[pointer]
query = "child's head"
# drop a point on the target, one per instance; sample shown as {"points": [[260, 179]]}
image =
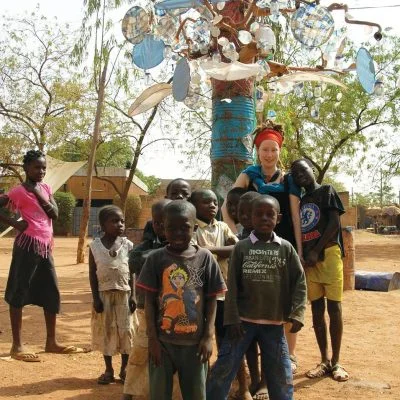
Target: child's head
{"points": [[232, 201], [206, 203], [112, 220], [265, 214], [179, 224], [178, 189], [245, 207], [302, 173], [34, 164], [157, 215]]}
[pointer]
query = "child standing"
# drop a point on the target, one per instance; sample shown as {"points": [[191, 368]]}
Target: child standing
{"points": [[244, 214], [111, 285], [181, 282], [137, 377], [323, 250], [32, 278], [177, 189], [266, 288]]}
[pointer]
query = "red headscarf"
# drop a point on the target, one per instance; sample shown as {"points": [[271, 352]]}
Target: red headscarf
{"points": [[268, 134]]}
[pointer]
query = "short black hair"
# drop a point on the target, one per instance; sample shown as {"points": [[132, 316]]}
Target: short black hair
{"points": [[180, 207], [238, 191], [298, 161], [273, 200], [172, 182], [249, 196], [106, 211], [160, 205], [199, 192], [32, 155]]}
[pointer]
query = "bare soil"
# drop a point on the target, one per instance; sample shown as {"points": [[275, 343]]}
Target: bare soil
{"points": [[370, 351]]}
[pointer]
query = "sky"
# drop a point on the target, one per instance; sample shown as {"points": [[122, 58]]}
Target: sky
{"points": [[168, 165]]}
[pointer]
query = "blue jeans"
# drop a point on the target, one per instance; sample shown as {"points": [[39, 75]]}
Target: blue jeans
{"points": [[192, 373], [278, 372]]}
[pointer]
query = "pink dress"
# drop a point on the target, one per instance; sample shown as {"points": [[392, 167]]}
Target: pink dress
{"points": [[38, 236]]}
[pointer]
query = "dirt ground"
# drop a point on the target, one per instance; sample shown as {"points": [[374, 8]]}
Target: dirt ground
{"points": [[370, 351]]}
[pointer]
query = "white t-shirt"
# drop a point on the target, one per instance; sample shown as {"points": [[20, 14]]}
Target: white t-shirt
{"points": [[112, 272]]}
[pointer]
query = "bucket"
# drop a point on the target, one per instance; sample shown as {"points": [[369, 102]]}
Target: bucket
{"points": [[232, 126]]}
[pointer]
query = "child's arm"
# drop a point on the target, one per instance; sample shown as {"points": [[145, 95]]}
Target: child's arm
{"points": [[295, 212], [19, 225], [223, 252], [205, 346], [150, 308], [94, 284], [132, 303], [48, 206], [329, 234], [298, 290]]}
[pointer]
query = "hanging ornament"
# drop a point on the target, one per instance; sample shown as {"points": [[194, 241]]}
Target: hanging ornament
{"points": [[312, 25], [135, 24], [317, 91], [245, 37], [379, 88]]}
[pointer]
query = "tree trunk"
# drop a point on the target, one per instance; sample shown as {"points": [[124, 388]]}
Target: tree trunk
{"points": [[80, 255], [232, 122]]}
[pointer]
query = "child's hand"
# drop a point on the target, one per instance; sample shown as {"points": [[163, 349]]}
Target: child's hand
{"points": [[311, 259], [296, 326], [204, 350], [132, 304], [21, 225], [155, 351], [235, 332], [98, 306]]}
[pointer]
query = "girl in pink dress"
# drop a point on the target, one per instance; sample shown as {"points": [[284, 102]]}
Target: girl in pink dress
{"points": [[32, 278]]}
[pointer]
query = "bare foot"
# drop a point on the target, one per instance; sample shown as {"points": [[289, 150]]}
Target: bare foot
{"points": [[261, 393], [245, 395], [61, 349]]}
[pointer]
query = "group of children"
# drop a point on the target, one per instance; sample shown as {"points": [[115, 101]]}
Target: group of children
{"points": [[159, 303]]}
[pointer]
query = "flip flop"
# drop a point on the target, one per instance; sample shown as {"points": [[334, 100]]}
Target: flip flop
{"points": [[105, 379], [294, 364], [70, 350], [322, 369], [26, 356], [339, 374]]}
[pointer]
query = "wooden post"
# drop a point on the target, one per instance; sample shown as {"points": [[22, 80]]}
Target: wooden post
{"points": [[349, 259]]}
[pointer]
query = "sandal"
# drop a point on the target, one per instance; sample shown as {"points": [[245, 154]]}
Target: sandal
{"points": [[106, 378], [339, 374], [294, 364], [322, 369]]}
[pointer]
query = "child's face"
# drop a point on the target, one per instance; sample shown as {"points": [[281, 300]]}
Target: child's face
{"points": [[303, 174], [114, 225], [179, 190], [264, 216], [244, 214], [179, 230], [158, 224], [232, 202], [36, 170], [206, 206]]}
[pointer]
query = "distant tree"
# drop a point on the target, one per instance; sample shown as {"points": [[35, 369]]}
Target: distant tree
{"points": [[151, 181]]}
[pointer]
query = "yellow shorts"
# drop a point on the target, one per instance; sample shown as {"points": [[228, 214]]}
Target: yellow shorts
{"points": [[326, 278]]}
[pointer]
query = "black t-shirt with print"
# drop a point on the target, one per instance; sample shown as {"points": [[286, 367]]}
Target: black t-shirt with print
{"points": [[314, 214]]}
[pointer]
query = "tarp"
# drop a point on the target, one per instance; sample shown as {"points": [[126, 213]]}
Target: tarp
{"points": [[57, 174]]}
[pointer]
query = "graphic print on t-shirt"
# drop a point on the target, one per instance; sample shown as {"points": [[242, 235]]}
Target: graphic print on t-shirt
{"points": [[178, 301], [310, 215]]}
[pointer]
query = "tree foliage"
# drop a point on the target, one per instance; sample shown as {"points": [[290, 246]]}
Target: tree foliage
{"points": [[39, 90]]}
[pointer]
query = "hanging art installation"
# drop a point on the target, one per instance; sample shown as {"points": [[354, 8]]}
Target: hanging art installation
{"points": [[228, 47]]}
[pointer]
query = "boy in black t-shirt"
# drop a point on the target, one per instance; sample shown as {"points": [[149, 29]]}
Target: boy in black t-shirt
{"points": [[181, 282], [320, 211]]}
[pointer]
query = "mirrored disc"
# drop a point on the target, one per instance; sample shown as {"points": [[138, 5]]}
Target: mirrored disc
{"points": [[312, 25], [365, 70], [148, 53], [181, 80], [135, 24]]}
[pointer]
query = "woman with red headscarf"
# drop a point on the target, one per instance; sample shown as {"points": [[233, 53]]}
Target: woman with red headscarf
{"points": [[267, 178]]}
